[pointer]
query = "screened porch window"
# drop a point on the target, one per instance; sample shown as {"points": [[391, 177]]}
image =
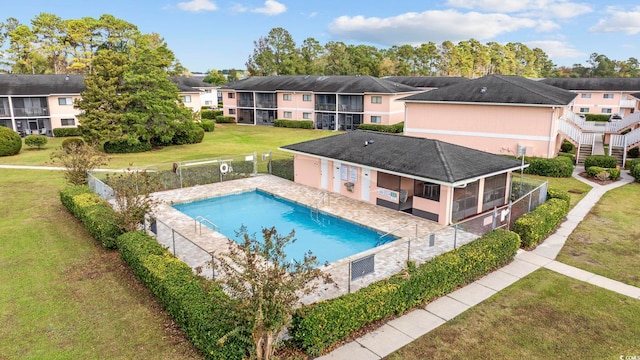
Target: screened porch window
{"points": [[427, 190], [465, 201], [494, 191]]}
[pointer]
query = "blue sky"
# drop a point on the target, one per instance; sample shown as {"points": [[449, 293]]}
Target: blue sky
{"points": [[219, 34]]}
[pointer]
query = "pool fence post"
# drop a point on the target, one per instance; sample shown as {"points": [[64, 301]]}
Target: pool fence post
{"points": [[349, 279], [173, 235], [213, 269], [455, 235]]}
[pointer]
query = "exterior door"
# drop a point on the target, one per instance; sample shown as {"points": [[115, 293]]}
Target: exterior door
{"points": [[336, 176], [324, 174]]}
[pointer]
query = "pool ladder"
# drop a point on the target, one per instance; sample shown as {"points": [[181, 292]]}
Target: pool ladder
{"points": [[201, 219], [315, 206]]}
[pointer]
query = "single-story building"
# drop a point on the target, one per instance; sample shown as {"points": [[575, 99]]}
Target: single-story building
{"points": [[429, 178]]}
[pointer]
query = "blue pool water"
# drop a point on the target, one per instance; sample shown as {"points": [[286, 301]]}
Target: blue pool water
{"points": [[329, 238]]}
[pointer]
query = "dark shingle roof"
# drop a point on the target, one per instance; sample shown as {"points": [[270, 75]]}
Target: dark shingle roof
{"points": [[636, 95], [500, 89], [427, 81], [595, 84], [330, 84], [34, 85], [19, 84], [419, 157]]}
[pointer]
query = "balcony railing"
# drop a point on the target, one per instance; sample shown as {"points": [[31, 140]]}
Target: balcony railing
{"points": [[350, 108], [266, 104], [21, 112], [326, 107], [245, 103], [628, 103]]}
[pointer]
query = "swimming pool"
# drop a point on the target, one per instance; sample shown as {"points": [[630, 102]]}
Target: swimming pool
{"points": [[329, 238]]}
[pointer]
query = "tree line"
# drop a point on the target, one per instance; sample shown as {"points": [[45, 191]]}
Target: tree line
{"points": [[277, 54], [52, 45]]}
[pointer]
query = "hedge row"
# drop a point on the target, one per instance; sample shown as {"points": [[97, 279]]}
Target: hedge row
{"points": [[634, 166], [597, 117], [210, 114], [225, 119], [207, 125], [560, 166], [201, 310], [318, 326], [534, 226], [297, 124], [394, 129], [603, 161], [63, 132], [123, 147], [95, 213]]}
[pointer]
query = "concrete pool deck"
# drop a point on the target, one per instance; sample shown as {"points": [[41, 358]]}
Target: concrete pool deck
{"points": [[390, 258]]}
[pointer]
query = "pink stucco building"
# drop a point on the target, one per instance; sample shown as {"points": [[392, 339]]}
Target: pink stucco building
{"points": [[428, 178], [331, 102]]}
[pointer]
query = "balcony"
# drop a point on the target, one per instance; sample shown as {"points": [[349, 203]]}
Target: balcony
{"points": [[245, 103], [350, 108], [325, 107], [628, 103], [266, 104], [4, 112], [26, 112]]}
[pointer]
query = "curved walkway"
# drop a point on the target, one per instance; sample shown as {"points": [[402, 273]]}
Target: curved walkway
{"points": [[401, 331]]}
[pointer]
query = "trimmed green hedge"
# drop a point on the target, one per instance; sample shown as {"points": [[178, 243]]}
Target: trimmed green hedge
{"points": [[560, 166], [321, 325], [225, 119], [558, 194], [296, 124], [36, 141], [10, 142], [537, 224], [207, 125], [188, 133], [603, 161], [282, 168], [122, 147], [210, 114], [567, 146], [634, 166], [201, 309], [597, 117], [95, 213], [592, 171], [64, 132], [394, 129]]}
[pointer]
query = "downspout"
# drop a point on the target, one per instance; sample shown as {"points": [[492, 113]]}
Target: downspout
{"points": [[11, 113], [255, 111], [552, 124]]}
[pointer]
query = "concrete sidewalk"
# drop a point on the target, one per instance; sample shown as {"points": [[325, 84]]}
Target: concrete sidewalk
{"points": [[401, 331]]}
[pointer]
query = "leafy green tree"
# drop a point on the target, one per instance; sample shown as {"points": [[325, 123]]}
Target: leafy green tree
{"points": [[215, 77], [153, 108], [275, 54], [266, 288], [311, 53], [21, 49], [48, 31], [104, 99]]}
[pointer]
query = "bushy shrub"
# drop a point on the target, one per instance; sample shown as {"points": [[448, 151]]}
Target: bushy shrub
{"points": [[394, 129], [225, 119], [188, 133], [201, 310], [37, 141], [635, 170], [634, 152], [558, 194], [318, 326], [614, 173], [66, 131], [560, 166], [282, 168], [597, 117], [568, 155], [122, 147], [297, 124], [207, 125], [537, 224], [208, 114], [567, 146], [71, 142], [95, 213], [592, 171], [10, 142], [603, 161]]}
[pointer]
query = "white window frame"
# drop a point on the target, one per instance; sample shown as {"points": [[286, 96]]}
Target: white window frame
{"points": [[287, 114], [376, 99], [287, 97], [585, 96], [306, 97], [231, 95], [185, 98], [607, 96], [584, 110], [376, 119], [65, 101], [306, 115], [607, 111], [73, 122], [232, 111]]}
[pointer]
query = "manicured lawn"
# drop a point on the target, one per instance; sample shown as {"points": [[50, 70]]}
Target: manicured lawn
{"points": [[62, 296], [576, 188], [607, 241], [543, 316], [227, 139]]}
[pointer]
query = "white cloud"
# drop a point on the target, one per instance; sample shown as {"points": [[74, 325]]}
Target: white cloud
{"points": [[627, 22], [197, 5], [313, 14], [271, 7], [556, 49], [537, 8], [433, 25], [239, 8]]}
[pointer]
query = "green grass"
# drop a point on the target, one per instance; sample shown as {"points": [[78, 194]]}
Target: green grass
{"points": [[64, 297], [576, 188], [607, 241], [543, 316], [227, 139]]}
